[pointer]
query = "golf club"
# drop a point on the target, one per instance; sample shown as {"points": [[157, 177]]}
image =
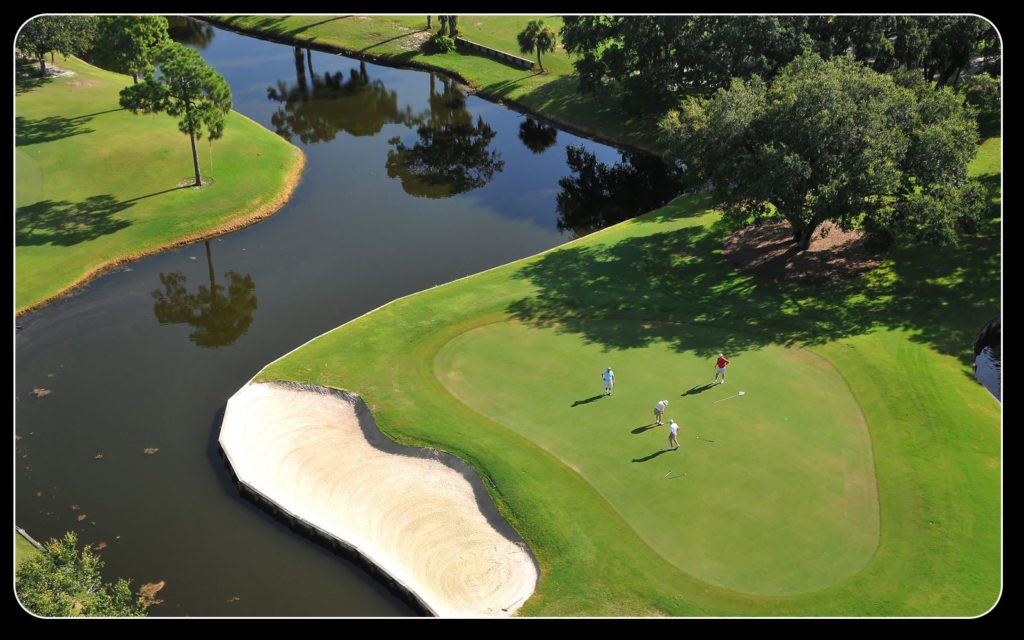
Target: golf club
{"points": [[741, 393]]}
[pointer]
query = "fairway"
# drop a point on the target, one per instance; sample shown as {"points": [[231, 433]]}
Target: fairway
{"points": [[96, 185], [783, 501]]}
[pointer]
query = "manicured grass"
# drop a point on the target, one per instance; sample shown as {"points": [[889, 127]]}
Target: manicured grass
{"points": [[779, 495], [23, 549], [95, 184], [988, 160], [553, 93], [655, 299]]}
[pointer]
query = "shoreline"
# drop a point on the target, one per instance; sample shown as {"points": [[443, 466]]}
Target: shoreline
{"points": [[421, 517], [244, 220], [471, 87]]}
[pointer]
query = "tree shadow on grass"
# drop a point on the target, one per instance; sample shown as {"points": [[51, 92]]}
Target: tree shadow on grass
{"points": [[669, 285], [63, 223], [26, 76], [47, 129]]}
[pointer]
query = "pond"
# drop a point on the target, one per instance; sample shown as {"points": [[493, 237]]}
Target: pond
{"points": [[120, 388]]}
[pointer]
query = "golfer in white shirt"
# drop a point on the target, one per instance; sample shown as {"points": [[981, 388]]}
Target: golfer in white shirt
{"points": [[673, 428], [659, 411], [609, 380]]}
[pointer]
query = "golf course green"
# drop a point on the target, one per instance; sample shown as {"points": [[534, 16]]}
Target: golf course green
{"points": [[858, 475], [96, 186], [816, 521]]}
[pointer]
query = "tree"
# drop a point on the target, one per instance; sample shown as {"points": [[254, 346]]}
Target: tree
{"points": [[220, 316], [983, 92], [62, 581], [186, 87], [127, 44], [537, 37], [833, 140], [67, 35]]}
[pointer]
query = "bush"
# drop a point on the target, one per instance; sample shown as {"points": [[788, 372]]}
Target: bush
{"points": [[62, 581], [440, 43]]}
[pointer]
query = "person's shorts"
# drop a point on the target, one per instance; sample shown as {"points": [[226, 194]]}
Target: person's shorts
{"points": [[720, 370]]}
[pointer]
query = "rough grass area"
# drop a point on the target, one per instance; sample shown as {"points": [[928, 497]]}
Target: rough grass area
{"points": [[96, 186], [656, 299]]}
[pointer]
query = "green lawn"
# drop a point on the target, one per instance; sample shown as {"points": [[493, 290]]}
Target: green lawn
{"points": [[23, 549], [552, 93], [851, 389], [96, 185]]}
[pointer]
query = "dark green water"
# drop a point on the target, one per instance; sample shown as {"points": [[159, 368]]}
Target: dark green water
{"points": [[409, 183]]}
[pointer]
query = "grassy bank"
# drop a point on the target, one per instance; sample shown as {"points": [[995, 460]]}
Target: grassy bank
{"points": [[96, 186], [398, 39], [23, 549], [502, 370]]}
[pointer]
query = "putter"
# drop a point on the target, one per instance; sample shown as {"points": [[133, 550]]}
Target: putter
{"points": [[741, 393]]}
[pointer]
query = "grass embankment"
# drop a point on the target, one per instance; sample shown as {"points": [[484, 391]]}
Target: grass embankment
{"points": [[490, 366], [553, 94], [96, 186], [23, 549]]}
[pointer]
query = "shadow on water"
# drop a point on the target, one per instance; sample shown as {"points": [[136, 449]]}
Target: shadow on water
{"points": [[652, 456], [597, 195], [595, 291], [190, 32], [588, 400], [219, 314]]}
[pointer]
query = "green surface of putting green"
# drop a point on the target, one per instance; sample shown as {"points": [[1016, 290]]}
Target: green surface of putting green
{"points": [[778, 495], [474, 366], [96, 184]]}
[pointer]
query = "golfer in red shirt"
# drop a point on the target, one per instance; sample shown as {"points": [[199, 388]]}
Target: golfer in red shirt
{"points": [[720, 365]]}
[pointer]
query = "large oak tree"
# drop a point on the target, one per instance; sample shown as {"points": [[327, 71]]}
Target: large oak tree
{"points": [[834, 140]]}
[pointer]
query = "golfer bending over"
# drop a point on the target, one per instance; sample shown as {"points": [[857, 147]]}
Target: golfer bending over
{"points": [[673, 429], [659, 411], [609, 380], [720, 365]]}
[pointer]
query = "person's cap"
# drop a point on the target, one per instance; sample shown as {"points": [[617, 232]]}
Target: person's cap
{"points": [[665, 401], [721, 355]]}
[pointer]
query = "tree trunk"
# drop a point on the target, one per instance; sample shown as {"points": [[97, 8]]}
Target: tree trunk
{"points": [[803, 232], [538, 60], [42, 66], [429, 21], [135, 78], [195, 160]]}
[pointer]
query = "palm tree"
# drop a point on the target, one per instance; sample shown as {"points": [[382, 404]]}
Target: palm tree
{"points": [[537, 37]]}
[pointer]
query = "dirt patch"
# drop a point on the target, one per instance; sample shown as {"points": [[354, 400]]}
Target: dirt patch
{"points": [[83, 84], [768, 251]]}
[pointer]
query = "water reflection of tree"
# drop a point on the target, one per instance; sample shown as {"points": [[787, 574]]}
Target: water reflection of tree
{"points": [[537, 136], [219, 314], [598, 195], [317, 109], [452, 153], [190, 32]]}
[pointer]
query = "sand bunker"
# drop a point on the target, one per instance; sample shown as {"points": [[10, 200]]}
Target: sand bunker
{"points": [[421, 515]]}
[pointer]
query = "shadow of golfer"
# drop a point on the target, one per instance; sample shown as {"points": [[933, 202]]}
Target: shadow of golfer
{"points": [[698, 388], [652, 456], [590, 399], [645, 427]]}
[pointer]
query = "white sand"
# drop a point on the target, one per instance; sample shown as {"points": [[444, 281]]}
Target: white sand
{"points": [[417, 517]]}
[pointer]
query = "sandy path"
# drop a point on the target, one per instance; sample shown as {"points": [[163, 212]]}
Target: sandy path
{"points": [[422, 516]]}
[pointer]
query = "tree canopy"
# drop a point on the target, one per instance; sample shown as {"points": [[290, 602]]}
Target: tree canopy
{"points": [[67, 35], [186, 87], [834, 140], [128, 44], [63, 581], [656, 60], [536, 37]]}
